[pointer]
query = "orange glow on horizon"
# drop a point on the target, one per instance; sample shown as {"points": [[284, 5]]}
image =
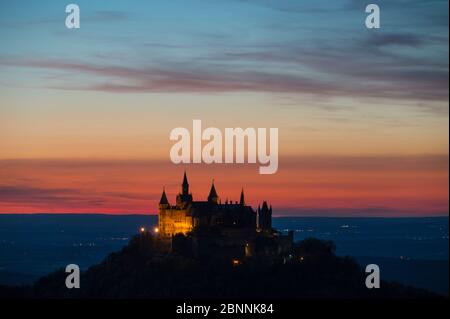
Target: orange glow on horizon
{"points": [[393, 187]]}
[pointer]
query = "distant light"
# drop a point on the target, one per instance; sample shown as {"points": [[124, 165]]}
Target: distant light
{"points": [[236, 262], [156, 230], [142, 229]]}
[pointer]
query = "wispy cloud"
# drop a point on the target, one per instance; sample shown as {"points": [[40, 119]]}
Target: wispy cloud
{"points": [[395, 78], [402, 39], [98, 16], [48, 197]]}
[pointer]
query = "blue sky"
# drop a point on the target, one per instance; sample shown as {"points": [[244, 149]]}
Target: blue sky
{"points": [[282, 46]]}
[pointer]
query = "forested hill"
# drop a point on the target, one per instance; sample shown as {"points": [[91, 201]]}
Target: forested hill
{"points": [[142, 270]]}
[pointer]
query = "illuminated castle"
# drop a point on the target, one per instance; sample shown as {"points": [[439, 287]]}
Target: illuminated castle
{"points": [[188, 214]]}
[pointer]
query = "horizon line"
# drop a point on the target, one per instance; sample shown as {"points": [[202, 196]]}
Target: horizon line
{"points": [[276, 216]]}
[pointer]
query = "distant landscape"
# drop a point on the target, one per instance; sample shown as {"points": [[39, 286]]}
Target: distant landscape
{"points": [[412, 251]]}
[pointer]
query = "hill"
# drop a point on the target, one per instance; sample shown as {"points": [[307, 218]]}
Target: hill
{"points": [[143, 269]]}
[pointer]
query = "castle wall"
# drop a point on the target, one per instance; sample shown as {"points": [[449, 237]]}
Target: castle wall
{"points": [[173, 221]]}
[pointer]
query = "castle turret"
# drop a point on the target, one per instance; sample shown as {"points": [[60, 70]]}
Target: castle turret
{"points": [[164, 203], [242, 200], [265, 217], [213, 198], [185, 185], [164, 206], [184, 197]]}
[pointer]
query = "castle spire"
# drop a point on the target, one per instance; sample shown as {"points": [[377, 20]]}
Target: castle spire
{"points": [[185, 185], [213, 197], [242, 200], [164, 200], [265, 217]]}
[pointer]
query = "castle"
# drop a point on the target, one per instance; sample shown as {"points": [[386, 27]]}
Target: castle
{"points": [[237, 224], [187, 214]]}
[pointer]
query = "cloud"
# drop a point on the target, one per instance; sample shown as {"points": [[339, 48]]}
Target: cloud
{"points": [[160, 79], [46, 196], [402, 39], [358, 67], [405, 163], [358, 79], [65, 198], [98, 16], [427, 162]]}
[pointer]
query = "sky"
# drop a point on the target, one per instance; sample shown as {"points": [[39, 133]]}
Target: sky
{"points": [[363, 114]]}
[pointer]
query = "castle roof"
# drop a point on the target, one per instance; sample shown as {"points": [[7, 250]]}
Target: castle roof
{"points": [[212, 193], [242, 200], [185, 181], [164, 200], [203, 208]]}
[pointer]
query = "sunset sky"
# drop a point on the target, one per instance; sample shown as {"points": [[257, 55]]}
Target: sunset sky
{"points": [[363, 115]]}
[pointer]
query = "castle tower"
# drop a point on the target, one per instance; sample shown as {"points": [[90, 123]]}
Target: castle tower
{"points": [[184, 197], [242, 200], [163, 207], [185, 185], [164, 203], [265, 217], [213, 198], [173, 220]]}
